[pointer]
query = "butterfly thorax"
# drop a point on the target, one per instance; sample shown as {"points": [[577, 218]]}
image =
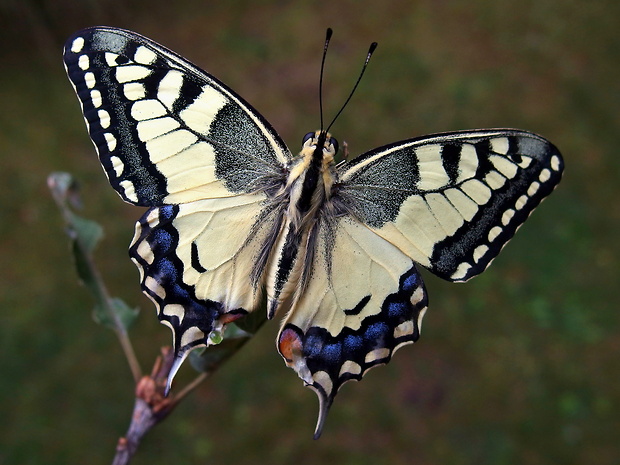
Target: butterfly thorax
{"points": [[311, 177]]}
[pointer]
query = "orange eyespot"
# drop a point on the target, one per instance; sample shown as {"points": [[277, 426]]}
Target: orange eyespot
{"points": [[289, 344]]}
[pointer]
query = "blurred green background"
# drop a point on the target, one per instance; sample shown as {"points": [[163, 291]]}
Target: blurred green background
{"points": [[520, 365]]}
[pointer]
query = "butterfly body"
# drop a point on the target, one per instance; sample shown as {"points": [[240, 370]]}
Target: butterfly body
{"points": [[235, 218], [307, 197]]}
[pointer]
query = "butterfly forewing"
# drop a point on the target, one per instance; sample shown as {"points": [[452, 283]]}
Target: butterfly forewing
{"points": [[451, 201], [167, 132]]}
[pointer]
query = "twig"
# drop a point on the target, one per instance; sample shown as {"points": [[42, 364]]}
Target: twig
{"points": [[119, 328], [151, 405], [190, 387]]}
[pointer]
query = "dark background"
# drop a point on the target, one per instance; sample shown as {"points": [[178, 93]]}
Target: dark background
{"points": [[520, 365]]}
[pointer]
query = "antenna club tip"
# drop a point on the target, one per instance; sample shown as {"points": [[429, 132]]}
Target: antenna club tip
{"points": [[372, 48], [329, 33]]}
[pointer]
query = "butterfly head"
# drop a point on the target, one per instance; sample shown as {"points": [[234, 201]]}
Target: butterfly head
{"points": [[322, 139]]}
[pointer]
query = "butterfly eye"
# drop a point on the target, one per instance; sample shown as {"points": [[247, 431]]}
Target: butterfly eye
{"points": [[334, 144], [308, 136]]}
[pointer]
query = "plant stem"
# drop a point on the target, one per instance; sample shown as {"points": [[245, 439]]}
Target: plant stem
{"points": [[100, 288], [151, 405], [190, 387]]}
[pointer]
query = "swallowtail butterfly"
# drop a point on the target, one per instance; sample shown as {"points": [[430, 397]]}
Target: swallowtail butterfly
{"points": [[233, 214]]}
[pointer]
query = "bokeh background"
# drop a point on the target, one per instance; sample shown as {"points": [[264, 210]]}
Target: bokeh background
{"points": [[521, 365]]}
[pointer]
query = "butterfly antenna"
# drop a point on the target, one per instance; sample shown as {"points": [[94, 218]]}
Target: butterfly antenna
{"points": [[371, 50], [328, 36]]}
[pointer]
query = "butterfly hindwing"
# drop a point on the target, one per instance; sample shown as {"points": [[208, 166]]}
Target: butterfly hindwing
{"points": [[196, 260], [451, 201], [167, 132], [363, 299]]}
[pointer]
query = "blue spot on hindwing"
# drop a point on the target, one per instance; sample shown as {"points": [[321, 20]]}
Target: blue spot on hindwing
{"points": [[411, 282], [332, 352], [313, 345], [167, 213], [161, 242], [397, 309], [352, 343], [376, 332], [165, 271]]}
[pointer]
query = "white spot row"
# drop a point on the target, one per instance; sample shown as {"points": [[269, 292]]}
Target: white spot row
{"points": [[403, 329], [479, 252], [144, 248], [377, 355], [153, 285], [117, 165], [191, 335], [89, 80], [77, 45], [104, 118], [521, 202], [129, 190], [83, 62], [174, 310], [533, 188], [111, 142], [494, 232], [507, 216], [461, 271], [322, 378], [350, 367], [422, 312], [95, 96]]}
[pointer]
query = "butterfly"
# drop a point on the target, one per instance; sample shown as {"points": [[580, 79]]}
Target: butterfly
{"points": [[234, 217]]}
